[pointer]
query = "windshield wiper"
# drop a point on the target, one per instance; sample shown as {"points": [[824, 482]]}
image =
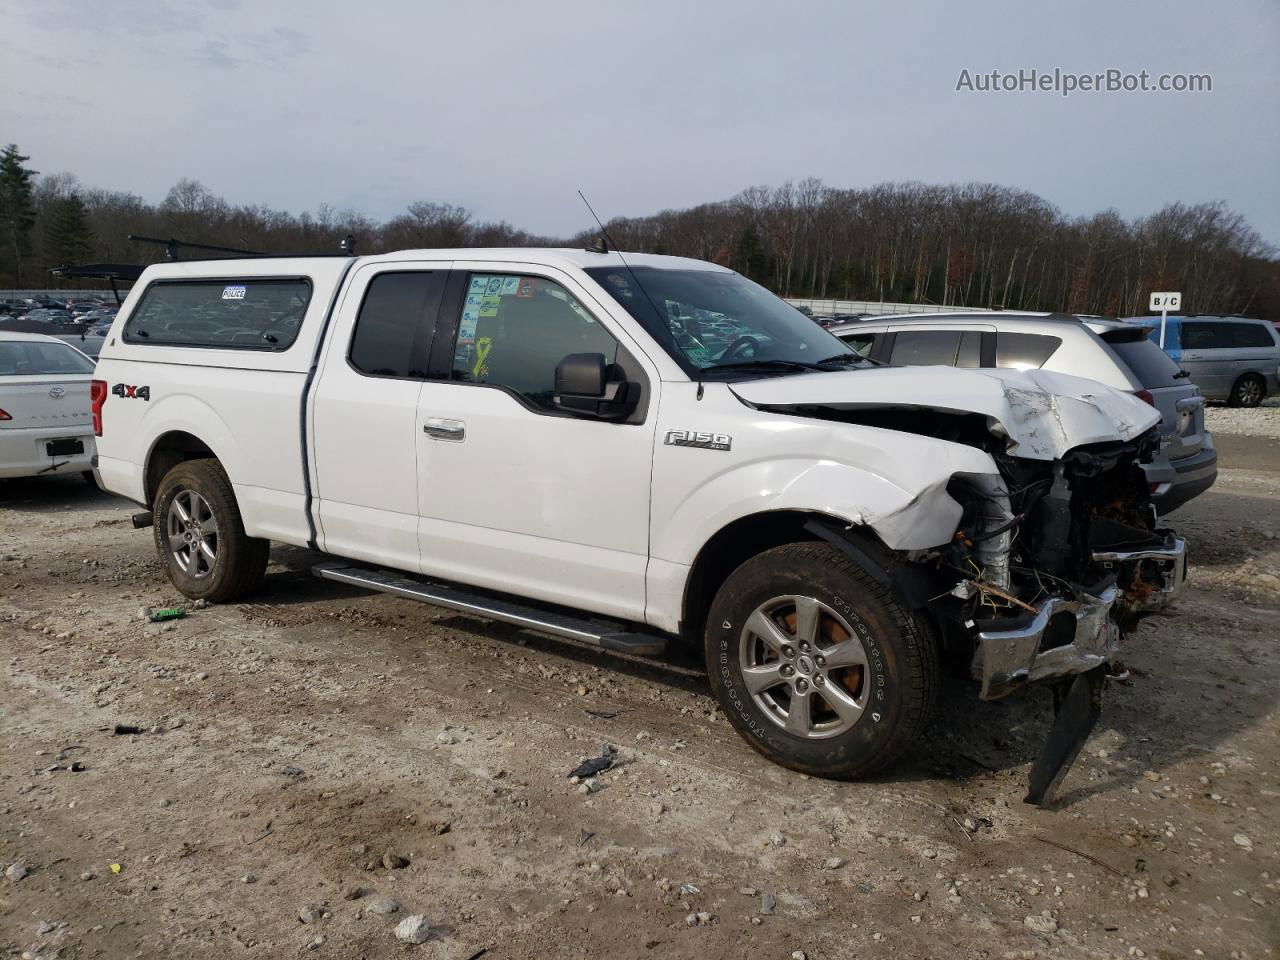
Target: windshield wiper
{"points": [[851, 357], [779, 365]]}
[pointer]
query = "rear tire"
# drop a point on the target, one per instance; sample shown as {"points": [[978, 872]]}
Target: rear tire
{"points": [[817, 665], [89, 478], [200, 536], [1248, 391]]}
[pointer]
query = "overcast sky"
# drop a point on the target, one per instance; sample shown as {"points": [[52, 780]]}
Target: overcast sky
{"points": [[508, 108]]}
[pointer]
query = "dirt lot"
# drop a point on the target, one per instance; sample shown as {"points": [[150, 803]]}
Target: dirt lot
{"points": [[290, 742]]}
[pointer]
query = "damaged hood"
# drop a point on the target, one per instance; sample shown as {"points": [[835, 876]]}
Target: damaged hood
{"points": [[1042, 414]]}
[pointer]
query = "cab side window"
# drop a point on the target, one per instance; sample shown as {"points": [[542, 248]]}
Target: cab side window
{"points": [[515, 330]]}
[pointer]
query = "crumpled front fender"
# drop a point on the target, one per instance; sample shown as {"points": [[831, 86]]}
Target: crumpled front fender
{"points": [[893, 483]]}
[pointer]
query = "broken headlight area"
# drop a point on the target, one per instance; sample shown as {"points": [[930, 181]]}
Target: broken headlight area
{"points": [[1051, 563]]}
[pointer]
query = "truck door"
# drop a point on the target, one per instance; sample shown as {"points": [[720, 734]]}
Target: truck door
{"points": [[513, 493], [364, 409]]}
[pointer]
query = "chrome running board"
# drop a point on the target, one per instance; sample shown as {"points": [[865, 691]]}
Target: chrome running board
{"points": [[611, 635]]}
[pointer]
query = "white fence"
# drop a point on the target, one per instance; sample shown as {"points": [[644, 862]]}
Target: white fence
{"points": [[827, 308], [62, 293]]}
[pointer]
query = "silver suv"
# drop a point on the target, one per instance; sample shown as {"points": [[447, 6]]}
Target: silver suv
{"points": [[1116, 353]]}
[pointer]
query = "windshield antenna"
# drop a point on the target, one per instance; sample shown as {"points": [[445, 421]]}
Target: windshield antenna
{"points": [[606, 242]]}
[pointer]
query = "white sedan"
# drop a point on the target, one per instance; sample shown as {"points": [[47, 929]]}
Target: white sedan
{"points": [[46, 424]]}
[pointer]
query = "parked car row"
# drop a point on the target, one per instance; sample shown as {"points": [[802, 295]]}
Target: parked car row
{"points": [[76, 305]]}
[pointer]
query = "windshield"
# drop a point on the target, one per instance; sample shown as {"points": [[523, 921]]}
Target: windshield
{"points": [[716, 323], [25, 358]]}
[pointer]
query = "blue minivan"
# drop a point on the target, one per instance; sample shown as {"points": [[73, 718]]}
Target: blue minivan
{"points": [[1235, 359]]}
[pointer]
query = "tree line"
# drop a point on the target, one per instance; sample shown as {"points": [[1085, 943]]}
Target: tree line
{"points": [[980, 245]]}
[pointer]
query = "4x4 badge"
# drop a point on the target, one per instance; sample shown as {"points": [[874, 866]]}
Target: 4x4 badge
{"points": [[697, 438], [126, 391]]}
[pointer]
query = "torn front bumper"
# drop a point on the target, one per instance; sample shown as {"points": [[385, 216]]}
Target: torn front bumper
{"points": [[1150, 578], [1063, 638]]}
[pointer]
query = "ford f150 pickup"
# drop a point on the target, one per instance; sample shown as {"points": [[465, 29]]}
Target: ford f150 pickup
{"points": [[626, 450]]}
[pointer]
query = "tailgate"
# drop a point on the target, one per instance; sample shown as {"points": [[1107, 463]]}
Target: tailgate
{"points": [[45, 401]]}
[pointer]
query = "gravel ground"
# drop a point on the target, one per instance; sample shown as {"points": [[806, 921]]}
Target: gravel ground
{"points": [[1263, 421], [324, 772]]}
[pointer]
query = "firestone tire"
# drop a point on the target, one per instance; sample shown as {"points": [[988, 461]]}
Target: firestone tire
{"points": [[200, 536], [805, 611]]}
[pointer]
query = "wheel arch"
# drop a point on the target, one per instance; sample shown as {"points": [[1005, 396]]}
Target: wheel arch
{"points": [[167, 451], [745, 537]]}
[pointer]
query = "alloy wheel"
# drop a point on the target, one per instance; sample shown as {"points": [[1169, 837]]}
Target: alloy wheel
{"points": [[193, 534], [804, 666]]}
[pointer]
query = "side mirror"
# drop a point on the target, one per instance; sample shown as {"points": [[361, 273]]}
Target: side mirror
{"points": [[590, 387]]}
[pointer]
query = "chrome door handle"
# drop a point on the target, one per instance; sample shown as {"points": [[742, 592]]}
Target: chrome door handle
{"points": [[1189, 403], [438, 428]]}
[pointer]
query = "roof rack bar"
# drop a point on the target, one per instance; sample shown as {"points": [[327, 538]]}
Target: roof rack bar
{"points": [[347, 248], [172, 246]]}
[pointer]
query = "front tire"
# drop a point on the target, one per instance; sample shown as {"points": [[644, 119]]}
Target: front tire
{"points": [[817, 665], [1248, 391], [200, 536]]}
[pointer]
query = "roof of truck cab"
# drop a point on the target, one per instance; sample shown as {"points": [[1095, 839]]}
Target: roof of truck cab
{"points": [[553, 256], [564, 258]]}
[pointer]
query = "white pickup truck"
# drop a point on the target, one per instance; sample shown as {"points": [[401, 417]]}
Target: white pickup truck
{"points": [[626, 450]]}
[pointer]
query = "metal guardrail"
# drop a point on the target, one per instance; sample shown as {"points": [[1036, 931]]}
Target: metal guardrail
{"points": [[826, 308], [61, 293]]}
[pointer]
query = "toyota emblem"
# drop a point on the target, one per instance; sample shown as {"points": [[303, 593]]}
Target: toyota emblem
{"points": [[57, 393]]}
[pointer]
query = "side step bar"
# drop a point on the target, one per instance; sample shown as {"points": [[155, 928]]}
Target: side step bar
{"points": [[611, 635]]}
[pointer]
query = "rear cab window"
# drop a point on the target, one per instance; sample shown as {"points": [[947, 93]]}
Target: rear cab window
{"points": [[396, 322], [251, 313]]}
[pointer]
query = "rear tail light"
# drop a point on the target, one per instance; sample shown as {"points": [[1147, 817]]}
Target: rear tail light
{"points": [[1145, 396], [5, 416], [98, 396]]}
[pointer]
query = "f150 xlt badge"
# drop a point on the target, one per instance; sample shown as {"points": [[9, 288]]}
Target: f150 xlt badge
{"points": [[131, 392], [697, 438]]}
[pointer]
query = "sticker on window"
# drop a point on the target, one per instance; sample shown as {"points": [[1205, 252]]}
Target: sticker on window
{"points": [[526, 287], [233, 293]]}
